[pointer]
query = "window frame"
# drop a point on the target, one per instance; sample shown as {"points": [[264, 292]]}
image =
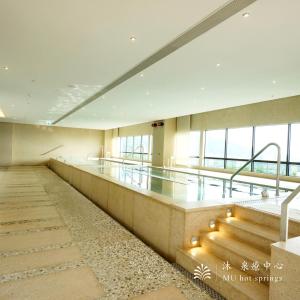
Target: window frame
{"points": [[286, 161], [133, 153]]}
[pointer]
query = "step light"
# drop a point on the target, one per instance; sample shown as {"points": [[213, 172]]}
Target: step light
{"points": [[228, 212], [212, 224], [194, 241]]}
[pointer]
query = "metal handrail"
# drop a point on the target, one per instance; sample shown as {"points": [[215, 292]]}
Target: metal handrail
{"points": [[252, 159], [284, 220]]}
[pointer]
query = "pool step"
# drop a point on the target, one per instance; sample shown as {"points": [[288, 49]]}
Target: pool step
{"points": [[236, 252], [267, 219], [233, 284], [257, 235]]}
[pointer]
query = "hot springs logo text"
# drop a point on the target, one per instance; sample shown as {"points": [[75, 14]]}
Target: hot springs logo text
{"points": [[202, 272]]}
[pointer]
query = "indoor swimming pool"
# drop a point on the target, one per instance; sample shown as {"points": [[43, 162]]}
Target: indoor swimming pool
{"points": [[179, 186]]}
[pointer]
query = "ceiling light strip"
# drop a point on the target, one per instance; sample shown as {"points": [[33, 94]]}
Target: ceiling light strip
{"points": [[209, 22]]}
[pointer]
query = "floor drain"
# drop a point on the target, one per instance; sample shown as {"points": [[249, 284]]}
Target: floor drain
{"points": [[199, 283]]}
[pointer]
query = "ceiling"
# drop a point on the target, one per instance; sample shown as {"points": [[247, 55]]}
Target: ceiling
{"points": [[60, 52]]}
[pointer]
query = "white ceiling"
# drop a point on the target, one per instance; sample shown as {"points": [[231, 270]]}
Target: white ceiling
{"points": [[59, 52]]}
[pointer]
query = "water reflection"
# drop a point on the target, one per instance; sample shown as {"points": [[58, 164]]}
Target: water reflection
{"points": [[178, 186]]}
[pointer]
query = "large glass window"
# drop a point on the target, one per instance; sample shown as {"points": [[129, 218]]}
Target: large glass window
{"points": [[266, 162], [295, 143], [123, 147], [268, 134], [240, 143], [129, 147], [136, 147], [215, 148], [194, 148], [231, 148], [294, 167], [215, 143]]}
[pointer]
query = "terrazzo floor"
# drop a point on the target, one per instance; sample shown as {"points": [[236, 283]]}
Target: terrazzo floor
{"points": [[56, 244]]}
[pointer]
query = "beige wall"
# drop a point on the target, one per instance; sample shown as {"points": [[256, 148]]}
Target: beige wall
{"points": [[169, 140], [29, 144], [139, 129], [5, 144], [108, 139], [285, 110]]}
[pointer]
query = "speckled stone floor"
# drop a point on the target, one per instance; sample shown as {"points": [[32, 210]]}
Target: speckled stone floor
{"points": [[56, 244]]}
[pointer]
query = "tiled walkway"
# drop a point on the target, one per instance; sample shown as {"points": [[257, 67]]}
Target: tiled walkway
{"points": [[56, 244]]}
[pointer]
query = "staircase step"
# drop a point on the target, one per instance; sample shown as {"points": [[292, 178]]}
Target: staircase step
{"points": [[227, 283], [235, 252], [267, 219], [257, 235]]}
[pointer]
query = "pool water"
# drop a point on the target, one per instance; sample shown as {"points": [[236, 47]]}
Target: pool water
{"points": [[178, 186]]}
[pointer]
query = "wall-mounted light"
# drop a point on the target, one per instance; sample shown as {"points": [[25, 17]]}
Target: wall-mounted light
{"points": [[194, 241], [228, 212], [212, 224]]}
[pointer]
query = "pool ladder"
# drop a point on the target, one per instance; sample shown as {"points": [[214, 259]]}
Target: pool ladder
{"points": [[252, 159], [284, 217]]}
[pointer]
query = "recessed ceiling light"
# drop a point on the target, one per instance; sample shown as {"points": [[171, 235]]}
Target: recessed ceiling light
{"points": [[202, 89], [274, 81], [218, 65], [246, 15], [5, 68], [133, 38], [142, 75]]}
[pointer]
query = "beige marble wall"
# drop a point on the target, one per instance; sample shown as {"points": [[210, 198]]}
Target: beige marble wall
{"points": [[197, 222], [162, 225], [22, 144], [285, 255], [270, 112]]}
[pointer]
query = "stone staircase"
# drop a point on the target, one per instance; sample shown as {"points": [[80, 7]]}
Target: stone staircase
{"points": [[238, 253]]}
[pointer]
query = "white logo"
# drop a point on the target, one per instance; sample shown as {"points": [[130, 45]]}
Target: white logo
{"points": [[202, 272]]}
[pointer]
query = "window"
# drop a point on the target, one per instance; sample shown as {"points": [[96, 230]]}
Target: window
{"points": [[295, 143], [294, 167], [266, 162], [231, 148], [215, 143], [268, 134], [239, 147], [215, 148], [194, 148], [187, 149], [240, 143], [136, 147], [123, 147]]}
